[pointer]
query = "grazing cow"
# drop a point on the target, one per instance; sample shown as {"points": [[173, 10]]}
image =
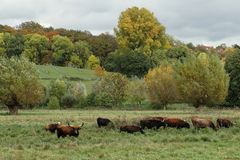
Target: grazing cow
{"points": [[202, 123], [64, 130], [151, 123], [52, 127], [176, 123], [224, 123], [131, 129], [103, 122]]}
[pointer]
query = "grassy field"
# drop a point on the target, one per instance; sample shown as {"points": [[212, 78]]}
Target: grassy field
{"points": [[23, 137], [48, 73]]}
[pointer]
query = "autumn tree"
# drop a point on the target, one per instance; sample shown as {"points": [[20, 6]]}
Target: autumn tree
{"points": [[62, 49], [138, 28], [202, 80], [161, 85], [19, 84], [35, 47]]}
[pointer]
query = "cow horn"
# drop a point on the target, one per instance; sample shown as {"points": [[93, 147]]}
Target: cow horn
{"points": [[58, 123], [82, 124]]}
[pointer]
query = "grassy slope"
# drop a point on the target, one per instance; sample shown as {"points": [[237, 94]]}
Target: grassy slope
{"points": [[23, 137], [48, 73]]}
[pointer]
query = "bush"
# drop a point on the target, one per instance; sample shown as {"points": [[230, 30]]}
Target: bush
{"points": [[78, 90], [136, 91], [68, 100], [57, 88], [53, 103], [114, 85]]}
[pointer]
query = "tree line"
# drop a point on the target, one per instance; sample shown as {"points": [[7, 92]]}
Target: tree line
{"points": [[143, 61]]}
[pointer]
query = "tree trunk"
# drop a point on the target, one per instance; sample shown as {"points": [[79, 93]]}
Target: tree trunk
{"points": [[13, 110]]}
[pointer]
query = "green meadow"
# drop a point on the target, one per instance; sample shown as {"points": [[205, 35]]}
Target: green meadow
{"points": [[23, 136]]}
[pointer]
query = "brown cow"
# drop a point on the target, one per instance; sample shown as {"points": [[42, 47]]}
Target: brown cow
{"points": [[131, 129], [202, 123], [176, 123], [222, 122], [64, 130], [52, 127]]}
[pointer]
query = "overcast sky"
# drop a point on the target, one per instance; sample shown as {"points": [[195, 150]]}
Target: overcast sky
{"points": [[208, 22]]}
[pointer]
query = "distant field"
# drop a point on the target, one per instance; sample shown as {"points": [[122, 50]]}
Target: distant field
{"points": [[22, 137], [49, 72]]}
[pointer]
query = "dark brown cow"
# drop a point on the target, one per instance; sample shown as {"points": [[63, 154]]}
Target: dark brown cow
{"points": [[70, 130], [52, 127], [131, 129], [103, 122], [202, 123], [176, 123], [222, 122], [152, 123]]}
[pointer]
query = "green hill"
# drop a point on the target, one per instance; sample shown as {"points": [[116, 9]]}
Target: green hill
{"points": [[49, 72]]}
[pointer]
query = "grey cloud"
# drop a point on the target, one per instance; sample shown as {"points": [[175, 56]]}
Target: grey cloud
{"points": [[199, 21]]}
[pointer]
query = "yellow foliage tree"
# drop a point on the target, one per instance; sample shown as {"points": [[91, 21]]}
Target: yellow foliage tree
{"points": [[139, 29], [161, 85]]}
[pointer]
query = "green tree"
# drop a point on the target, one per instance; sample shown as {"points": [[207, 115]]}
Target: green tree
{"points": [[202, 80], [35, 47], [138, 28], [233, 69], [62, 49], [161, 85], [130, 63], [11, 45], [75, 61], [19, 84], [83, 50], [93, 62], [112, 86]]}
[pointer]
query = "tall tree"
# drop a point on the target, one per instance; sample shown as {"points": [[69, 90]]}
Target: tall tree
{"points": [[138, 28], [233, 69], [83, 50]]}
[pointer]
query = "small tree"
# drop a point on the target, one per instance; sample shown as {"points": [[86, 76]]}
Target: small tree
{"points": [[19, 84], [202, 80], [113, 85], [161, 85], [93, 62]]}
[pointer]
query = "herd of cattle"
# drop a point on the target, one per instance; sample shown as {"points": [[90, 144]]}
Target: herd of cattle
{"points": [[149, 123]]}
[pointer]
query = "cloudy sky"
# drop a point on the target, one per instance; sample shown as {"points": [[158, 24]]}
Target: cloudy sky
{"points": [[208, 22]]}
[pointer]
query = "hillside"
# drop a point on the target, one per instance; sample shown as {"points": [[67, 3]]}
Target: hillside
{"points": [[49, 72]]}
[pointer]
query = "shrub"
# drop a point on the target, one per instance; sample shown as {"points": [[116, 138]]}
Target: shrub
{"points": [[114, 85], [93, 62], [136, 91], [53, 103], [68, 100], [57, 88]]}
